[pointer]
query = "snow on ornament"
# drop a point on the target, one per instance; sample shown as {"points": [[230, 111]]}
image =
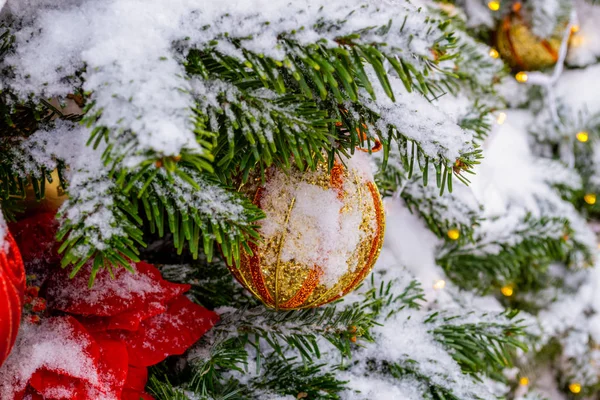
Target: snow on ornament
{"points": [[12, 291], [322, 234]]}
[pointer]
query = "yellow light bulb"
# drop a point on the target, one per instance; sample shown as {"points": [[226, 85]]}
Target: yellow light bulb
{"points": [[494, 5], [575, 388], [454, 234], [521, 77], [582, 136], [494, 53], [590, 198], [575, 28], [439, 284], [576, 40], [507, 290], [524, 381], [501, 118]]}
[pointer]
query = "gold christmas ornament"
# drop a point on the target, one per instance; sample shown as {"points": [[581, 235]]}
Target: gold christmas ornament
{"points": [[54, 197], [322, 234], [523, 50]]}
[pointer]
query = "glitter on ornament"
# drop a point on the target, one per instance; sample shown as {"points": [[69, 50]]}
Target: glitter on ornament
{"points": [[322, 234], [521, 48]]}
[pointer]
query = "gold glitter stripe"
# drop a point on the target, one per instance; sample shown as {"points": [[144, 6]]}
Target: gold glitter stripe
{"points": [[258, 278], [281, 241], [376, 246], [308, 287], [506, 27]]}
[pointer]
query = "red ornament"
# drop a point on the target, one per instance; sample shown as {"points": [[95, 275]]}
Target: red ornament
{"points": [[12, 291]]}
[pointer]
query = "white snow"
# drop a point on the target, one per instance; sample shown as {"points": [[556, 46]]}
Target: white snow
{"points": [[318, 227], [53, 345]]}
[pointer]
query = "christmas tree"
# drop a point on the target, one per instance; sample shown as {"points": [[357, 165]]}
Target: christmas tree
{"points": [[379, 199]]}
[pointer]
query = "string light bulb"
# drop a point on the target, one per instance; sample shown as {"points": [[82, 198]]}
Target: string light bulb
{"points": [[521, 77], [494, 5], [454, 234], [590, 198], [575, 28], [576, 40], [507, 290], [494, 53], [439, 284], [501, 118], [575, 387], [524, 381], [582, 136]]}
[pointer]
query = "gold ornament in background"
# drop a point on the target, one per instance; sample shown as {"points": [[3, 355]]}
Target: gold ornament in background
{"points": [[54, 197], [321, 237], [523, 50]]}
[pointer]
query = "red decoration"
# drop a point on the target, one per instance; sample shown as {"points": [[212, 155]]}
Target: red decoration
{"points": [[172, 332], [12, 291], [116, 329], [35, 237]]}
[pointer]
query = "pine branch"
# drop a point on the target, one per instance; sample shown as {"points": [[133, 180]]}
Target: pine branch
{"points": [[329, 85], [299, 379], [433, 390], [480, 347], [195, 209], [502, 261]]}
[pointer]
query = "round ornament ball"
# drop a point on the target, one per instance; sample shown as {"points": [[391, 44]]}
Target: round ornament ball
{"points": [[522, 49], [12, 291], [54, 196], [322, 234]]}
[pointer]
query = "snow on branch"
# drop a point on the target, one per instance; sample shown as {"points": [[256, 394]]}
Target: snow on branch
{"points": [[129, 56]]}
